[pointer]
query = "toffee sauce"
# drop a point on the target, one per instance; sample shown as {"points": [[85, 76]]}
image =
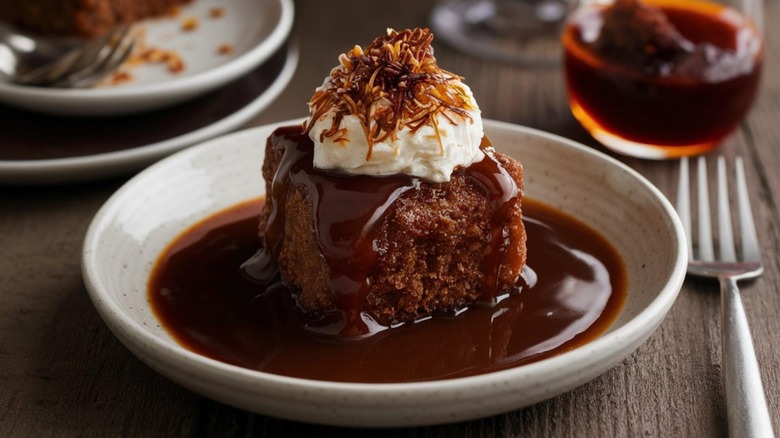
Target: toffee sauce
{"points": [[346, 211], [666, 110], [199, 295]]}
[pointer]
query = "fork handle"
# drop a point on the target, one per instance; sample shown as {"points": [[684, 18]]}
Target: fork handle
{"points": [[748, 414]]}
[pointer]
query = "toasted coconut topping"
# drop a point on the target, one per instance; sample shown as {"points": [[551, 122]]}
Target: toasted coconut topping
{"points": [[391, 84]]}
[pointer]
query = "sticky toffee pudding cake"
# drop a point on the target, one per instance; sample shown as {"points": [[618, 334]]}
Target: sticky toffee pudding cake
{"points": [[389, 205]]}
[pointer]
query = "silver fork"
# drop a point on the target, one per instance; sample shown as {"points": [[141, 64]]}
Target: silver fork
{"points": [[748, 415], [26, 59], [99, 61]]}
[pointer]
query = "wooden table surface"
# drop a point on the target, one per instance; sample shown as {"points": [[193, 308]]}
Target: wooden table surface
{"points": [[62, 373]]}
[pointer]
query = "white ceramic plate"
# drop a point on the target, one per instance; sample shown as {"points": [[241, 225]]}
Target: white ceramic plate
{"points": [[254, 28], [214, 114], [136, 224]]}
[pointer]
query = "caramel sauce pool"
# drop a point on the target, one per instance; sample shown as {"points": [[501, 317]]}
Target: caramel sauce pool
{"points": [[572, 289]]}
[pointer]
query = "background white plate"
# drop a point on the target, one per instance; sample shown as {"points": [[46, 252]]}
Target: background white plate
{"points": [[255, 29], [135, 225], [101, 165]]}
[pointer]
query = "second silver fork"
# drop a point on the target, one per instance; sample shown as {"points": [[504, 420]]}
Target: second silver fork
{"points": [[26, 59], [748, 414]]}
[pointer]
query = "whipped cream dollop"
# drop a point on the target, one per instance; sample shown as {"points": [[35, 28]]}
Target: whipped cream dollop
{"points": [[390, 109]]}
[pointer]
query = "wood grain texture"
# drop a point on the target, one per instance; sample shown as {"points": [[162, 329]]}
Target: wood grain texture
{"points": [[62, 373]]}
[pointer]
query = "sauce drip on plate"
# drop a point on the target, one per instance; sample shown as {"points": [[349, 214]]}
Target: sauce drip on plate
{"points": [[572, 289]]}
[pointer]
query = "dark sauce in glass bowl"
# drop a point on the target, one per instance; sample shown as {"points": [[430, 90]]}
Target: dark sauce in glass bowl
{"points": [[693, 101], [571, 290]]}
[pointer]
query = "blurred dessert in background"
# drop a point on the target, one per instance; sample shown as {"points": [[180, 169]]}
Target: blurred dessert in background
{"points": [[82, 18]]}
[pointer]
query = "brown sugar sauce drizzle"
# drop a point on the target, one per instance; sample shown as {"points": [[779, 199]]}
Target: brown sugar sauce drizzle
{"points": [[346, 210], [572, 289]]}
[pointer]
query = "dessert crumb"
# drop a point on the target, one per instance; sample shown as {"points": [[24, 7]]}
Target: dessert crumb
{"points": [[175, 63], [225, 49], [216, 12], [155, 55], [121, 77], [189, 24], [174, 11]]}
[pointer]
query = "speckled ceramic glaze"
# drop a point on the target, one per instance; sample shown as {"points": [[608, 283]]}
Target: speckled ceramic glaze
{"points": [[137, 223]]}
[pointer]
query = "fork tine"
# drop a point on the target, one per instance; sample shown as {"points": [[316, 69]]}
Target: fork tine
{"points": [[117, 54], [77, 60], [747, 227], [725, 234], [684, 203], [100, 55], [101, 49], [706, 252], [89, 78], [119, 57]]}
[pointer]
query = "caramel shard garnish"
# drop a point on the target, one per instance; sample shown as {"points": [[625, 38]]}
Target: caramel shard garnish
{"points": [[392, 83]]}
